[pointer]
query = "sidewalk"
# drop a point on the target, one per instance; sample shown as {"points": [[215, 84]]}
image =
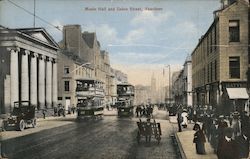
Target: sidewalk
{"points": [[187, 147], [42, 124]]}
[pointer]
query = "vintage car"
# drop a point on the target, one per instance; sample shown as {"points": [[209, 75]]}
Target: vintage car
{"points": [[22, 116]]}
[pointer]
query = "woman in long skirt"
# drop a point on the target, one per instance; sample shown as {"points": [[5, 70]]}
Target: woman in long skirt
{"points": [[199, 140]]}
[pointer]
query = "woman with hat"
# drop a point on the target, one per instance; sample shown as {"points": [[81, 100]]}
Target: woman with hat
{"points": [[199, 140], [184, 117]]}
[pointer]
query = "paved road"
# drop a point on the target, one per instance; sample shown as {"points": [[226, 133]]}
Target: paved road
{"points": [[110, 138]]}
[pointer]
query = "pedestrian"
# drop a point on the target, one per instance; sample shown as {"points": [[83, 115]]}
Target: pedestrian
{"points": [[236, 125], [148, 131], [184, 115], [214, 135], [73, 109], [228, 148], [55, 111], [44, 114], [179, 120], [137, 110], [199, 140], [243, 145]]}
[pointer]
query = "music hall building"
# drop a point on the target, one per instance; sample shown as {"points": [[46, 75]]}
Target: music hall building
{"points": [[28, 68]]}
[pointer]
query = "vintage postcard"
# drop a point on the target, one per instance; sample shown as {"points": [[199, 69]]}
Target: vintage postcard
{"points": [[124, 79]]}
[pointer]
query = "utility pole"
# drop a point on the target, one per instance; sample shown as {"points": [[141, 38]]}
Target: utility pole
{"points": [[34, 20]]}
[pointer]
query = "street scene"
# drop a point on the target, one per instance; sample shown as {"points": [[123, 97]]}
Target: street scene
{"points": [[112, 79]]}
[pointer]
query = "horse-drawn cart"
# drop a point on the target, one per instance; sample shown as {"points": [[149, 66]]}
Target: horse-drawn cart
{"points": [[148, 129]]}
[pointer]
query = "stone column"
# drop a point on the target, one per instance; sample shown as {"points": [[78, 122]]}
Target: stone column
{"points": [[54, 83], [25, 76], [49, 82], [41, 82], [33, 79], [14, 81]]}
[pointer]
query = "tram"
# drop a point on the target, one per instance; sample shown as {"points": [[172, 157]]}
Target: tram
{"points": [[90, 98], [125, 99]]}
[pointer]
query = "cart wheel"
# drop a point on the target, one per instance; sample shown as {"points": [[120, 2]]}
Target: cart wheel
{"points": [[21, 125], [138, 137], [34, 123]]}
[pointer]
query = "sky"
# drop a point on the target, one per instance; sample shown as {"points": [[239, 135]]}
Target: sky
{"points": [[140, 42]]}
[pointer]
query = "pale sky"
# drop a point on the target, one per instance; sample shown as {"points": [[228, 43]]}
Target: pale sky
{"points": [[139, 42]]}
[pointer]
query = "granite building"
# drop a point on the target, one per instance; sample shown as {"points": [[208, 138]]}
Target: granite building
{"points": [[220, 61], [28, 68]]}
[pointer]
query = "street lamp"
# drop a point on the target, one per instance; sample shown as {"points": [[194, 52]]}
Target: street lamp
{"points": [[169, 72]]}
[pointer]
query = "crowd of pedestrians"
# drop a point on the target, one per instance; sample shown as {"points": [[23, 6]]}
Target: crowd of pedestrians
{"points": [[228, 135], [144, 110]]}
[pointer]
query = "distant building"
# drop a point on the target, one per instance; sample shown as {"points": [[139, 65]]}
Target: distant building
{"points": [[142, 94], [120, 76], [182, 84], [220, 60], [28, 68]]}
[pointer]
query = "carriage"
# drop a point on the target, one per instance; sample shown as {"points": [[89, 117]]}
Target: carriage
{"points": [[151, 129]]}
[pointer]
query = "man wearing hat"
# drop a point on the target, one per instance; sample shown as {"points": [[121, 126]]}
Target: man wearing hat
{"points": [[236, 124]]}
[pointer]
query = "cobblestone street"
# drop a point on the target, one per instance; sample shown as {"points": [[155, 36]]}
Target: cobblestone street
{"points": [[111, 137]]}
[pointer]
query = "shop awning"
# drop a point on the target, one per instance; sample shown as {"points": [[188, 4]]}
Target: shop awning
{"points": [[237, 93]]}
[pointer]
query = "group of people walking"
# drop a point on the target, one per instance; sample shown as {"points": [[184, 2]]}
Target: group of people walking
{"points": [[144, 110], [227, 135]]}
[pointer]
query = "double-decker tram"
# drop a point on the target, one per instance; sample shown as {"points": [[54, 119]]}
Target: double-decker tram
{"points": [[125, 99], [90, 98]]}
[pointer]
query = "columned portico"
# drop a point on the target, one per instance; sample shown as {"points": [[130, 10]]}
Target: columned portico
{"points": [[27, 57], [49, 82], [41, 82], [25, 76], [33, 79], [14, 85]]}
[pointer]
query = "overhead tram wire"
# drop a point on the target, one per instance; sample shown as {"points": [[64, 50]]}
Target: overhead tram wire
{"points": [[27, 11]]}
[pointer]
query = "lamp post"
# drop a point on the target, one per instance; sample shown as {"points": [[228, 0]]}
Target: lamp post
{"points": [[169, 74]]}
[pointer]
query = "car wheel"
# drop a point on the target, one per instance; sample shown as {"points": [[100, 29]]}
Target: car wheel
{"points": [[34, 123], [21, 125]]}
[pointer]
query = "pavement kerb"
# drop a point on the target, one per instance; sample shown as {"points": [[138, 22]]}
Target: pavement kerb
{"points": [[183, 155]]}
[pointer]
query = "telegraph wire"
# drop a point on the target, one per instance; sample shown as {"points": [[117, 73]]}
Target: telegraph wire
{"points": [[27, 11]]}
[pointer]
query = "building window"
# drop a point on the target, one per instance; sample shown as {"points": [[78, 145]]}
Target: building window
{"points": [[66, 85], [234, 31], [234, 67], [66, 70]]}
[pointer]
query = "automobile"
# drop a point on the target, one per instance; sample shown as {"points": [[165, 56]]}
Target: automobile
{"points": [[22, 116]]}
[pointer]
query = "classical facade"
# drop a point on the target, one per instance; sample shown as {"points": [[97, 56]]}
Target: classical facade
{"points": [[221, 58], [28, 68]]}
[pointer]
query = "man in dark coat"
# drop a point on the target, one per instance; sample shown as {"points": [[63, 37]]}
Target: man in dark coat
{"points": [[148, 131], [243, 145], [179, 120], [228, 148]]}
